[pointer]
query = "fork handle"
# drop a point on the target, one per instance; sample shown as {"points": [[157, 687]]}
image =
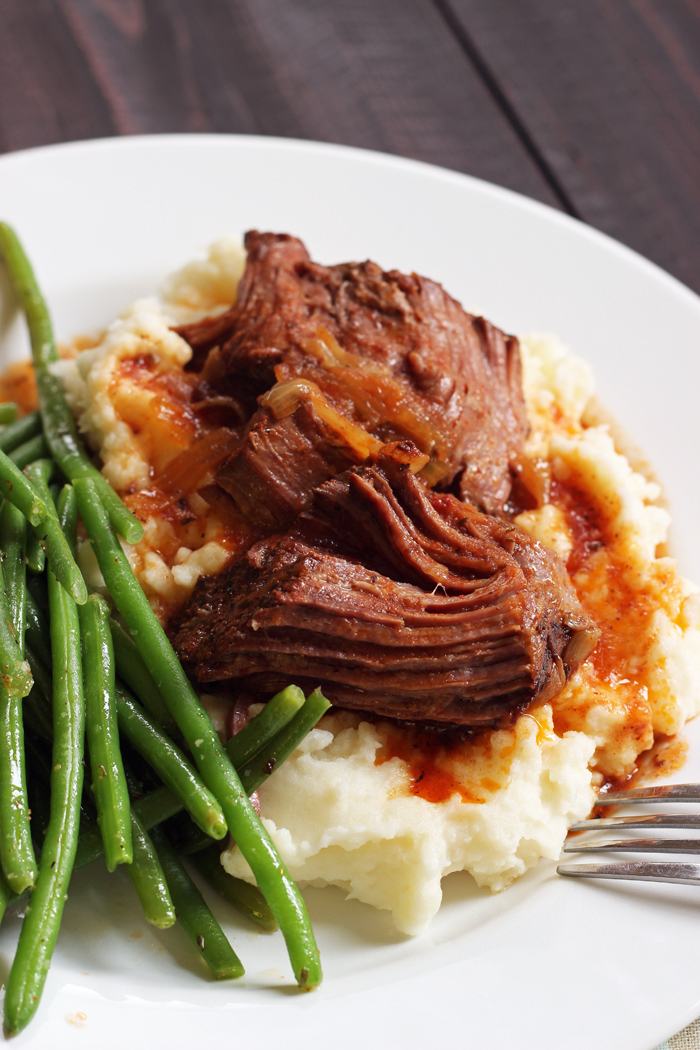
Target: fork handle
{"points": [[684, 874]]}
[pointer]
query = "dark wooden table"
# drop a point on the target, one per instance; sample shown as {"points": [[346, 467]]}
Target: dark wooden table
{"points": [[592, 106]]}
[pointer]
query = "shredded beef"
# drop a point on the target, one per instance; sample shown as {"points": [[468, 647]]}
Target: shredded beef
{"points": [[395, 599], [393, 353]]}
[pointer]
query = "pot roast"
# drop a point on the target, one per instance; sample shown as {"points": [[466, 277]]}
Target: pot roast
{"points": [[396, 600], [361, 398], [392, 353]]}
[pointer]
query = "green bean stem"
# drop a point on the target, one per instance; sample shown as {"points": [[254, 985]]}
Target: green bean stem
{"points": [[24, 429], [43, 916], [195, 916], [132, 668], [59, 425], [35, 448], [146, 874], [36, 558], [51, 535], [170, 764], [16, 850], [8, 412], [15, 487], [269, 758], [217, 772], [245, 898], [274, 716], [108, 780]]}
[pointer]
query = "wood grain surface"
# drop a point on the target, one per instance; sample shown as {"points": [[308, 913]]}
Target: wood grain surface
{"points": [[610, 93], [592, 106], [384, 74]]}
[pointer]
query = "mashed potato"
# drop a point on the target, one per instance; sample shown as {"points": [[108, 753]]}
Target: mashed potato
{"points": [[384, 812]]}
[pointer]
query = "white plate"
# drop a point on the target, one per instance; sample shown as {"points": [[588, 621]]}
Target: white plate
{"points": [[550, 963]]}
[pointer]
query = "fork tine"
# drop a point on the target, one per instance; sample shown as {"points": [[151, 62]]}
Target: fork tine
{"points": [[656, 820], [637, 846], [687, 874], [667, 792]]}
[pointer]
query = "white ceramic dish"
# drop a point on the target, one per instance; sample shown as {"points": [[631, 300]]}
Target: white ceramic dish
{"points": [[550, 963]]}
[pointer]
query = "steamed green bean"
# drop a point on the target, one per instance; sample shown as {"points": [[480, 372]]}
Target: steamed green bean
{"points": [[170, 764], [16, 850], [132, 668], [276, 713], [8, 413], [148, 879], [20, 431], [42, 919], [108, 780], [35, 448], [195, 916], [51, 535], [212, 761], [59, 426]]}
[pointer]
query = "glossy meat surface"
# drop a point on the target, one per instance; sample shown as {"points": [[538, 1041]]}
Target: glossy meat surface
{"points": [[391, 352], [408, 603]]}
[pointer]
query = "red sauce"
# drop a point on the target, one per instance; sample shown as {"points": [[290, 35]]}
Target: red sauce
{"points": [[424, 752], [585, 520]]}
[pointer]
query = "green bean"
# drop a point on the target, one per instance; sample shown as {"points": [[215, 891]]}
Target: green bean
{"points": [[16, 851], [245, 898], [267, 727], [21, 430], [37, 630], [195, 916], [152, 809], [146, 874], [108, 781], [131, 667], [170, 764], [17, 488], [43, 917], [273, 717], [15, 676], [51, 535], [5, 895], [35, 448], [161, 805], [59, 426], [36, 558], [280, 748], [155, 808], [8, 412], [217, 772], [13, 540]]}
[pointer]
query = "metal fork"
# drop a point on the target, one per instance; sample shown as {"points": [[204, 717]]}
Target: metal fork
{"points": [[645, 871]]}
